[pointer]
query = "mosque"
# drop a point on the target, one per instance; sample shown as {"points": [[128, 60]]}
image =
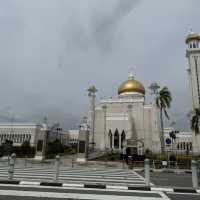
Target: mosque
{"points": [[125, 123]]}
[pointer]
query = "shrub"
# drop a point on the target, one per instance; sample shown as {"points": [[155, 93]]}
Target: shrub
{"points": [[54, 148], [25, 150]]}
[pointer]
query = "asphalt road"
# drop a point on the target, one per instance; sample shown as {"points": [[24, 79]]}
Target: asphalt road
{"points": [[184, 196], [33, 193], [36, 193], [170, 179]]}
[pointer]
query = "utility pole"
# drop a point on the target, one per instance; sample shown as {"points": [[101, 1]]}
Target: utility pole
{"points": [[92, 94]]}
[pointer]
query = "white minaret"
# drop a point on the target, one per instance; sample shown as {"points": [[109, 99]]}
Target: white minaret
{"points": [[92, 94], [193, 55], [156, 137]]}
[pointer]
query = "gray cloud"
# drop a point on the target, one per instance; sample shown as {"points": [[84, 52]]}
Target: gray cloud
{"points": [[51, 51], [105, 26]]}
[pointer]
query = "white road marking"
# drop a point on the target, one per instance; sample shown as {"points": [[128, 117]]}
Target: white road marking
{"points": [[29, 183], [116, 187], [182, 193], [162, 189], [76, 195], [110, 176], [73, 185]]}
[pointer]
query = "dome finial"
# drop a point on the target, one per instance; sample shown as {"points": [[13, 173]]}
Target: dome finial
{"points": [[131, 76]]}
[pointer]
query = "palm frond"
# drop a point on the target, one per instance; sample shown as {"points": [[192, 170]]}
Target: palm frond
{"points": [[195, 120]]}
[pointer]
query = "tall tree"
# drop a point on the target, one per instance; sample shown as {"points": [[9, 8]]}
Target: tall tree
{"points": [[163, 102], [195, 120], [172, 135]]}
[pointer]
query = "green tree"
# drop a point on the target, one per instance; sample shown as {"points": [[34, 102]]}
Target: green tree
{"points": [[54, 148], [172, 135], [194, 121], [163, 102]]}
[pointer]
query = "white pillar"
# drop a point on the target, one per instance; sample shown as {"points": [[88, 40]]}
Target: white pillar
{"points": [[56, 169], [132, 124], [147, 172], [104, 111], [113, 135], [194, 166], [119, 141], [11, 166]]}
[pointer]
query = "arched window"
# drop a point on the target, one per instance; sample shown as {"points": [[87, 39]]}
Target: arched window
{"points": [[178, 146], [116, 139], [123, 138], [110, 138], [184, 145]]}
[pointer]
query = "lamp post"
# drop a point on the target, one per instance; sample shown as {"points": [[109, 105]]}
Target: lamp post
{"points": [[59, 130], [154, 88], [92, 94]]}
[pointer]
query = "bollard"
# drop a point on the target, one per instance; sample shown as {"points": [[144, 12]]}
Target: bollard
{"points": [[72, 162], [147, 172], [11, 166], [194, 174], [25, 161], [57, 168]]}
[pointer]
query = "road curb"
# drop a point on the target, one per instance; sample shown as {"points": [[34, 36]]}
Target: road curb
{"points": [[185, 190], [102, 186], [14, 182], [166, 171]]}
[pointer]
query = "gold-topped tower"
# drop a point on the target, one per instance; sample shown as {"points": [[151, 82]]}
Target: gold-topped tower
{"points": [[131, 85]]}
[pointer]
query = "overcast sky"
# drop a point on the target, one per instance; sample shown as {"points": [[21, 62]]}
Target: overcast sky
{"points": [[52, 50]]}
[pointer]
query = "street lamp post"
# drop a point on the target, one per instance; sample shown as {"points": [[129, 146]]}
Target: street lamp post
{"points": [[59, 130], [92, 94]]}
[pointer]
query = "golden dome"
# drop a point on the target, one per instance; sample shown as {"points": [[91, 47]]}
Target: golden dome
{"points": [[192, 36], [131, 85]]}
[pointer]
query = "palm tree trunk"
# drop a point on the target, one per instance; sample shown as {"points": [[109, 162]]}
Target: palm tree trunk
{"points": [[162, 132]]}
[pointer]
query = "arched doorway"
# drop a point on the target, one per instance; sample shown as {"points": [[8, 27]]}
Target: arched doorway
{"points": [[116, 139], [110, 138], [123, 138]]}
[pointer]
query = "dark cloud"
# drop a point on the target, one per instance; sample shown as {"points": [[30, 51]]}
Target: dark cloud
{"points": [[106, 24], [51, 51]]}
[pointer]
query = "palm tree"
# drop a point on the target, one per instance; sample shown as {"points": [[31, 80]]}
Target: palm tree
{"points": [[163, 102], [172, 135], [195, 120]]}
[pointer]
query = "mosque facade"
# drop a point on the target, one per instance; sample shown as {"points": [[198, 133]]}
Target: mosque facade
{"points": [[126, 122]]}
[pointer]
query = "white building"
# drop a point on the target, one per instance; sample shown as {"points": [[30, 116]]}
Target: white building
{"points": [[21, 132], [70, 137], [193, 56], [181, 145], [126, 121]]}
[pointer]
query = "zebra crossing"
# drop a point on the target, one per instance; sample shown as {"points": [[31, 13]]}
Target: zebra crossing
{"points": [[110, 176], [114, 179]]}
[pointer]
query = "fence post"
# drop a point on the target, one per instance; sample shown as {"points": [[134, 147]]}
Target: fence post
{"points": [[147, 172], [56, 168], [194, 174], [11, 166]]}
